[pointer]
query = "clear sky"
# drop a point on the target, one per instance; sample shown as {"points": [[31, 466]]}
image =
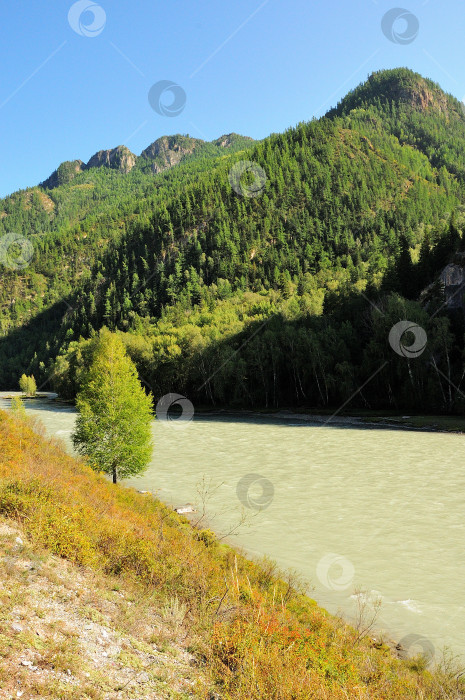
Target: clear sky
{"points": [[249, 66]]}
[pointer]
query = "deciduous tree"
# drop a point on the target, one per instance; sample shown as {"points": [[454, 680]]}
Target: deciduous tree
{"points": [[113, 429]]}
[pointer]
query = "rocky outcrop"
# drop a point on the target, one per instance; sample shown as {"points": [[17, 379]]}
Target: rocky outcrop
{"points": [[227, 140], [452, 279], [188, 508], [120, 158], [168, 151], [420, 96], [162, 154], [63, 174]]}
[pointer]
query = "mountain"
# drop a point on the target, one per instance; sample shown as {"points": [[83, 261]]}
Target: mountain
{"points": [[162, 154], [416, 111], [399, 87], [169, 150], [65, 172], [119, 158], [201, 244]]}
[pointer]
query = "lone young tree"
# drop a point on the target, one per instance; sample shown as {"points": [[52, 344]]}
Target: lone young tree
{"points": [[113, 427], [28, 385]]}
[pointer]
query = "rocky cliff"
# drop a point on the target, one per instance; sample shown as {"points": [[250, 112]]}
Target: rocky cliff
{"points": [[169, 150], [119, 158], [452, 279]]}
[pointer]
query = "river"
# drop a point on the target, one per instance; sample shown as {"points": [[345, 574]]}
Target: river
{"points": [[349, 507]]}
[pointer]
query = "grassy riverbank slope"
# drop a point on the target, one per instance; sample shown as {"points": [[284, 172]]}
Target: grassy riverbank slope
{"points": [[107, 593]]}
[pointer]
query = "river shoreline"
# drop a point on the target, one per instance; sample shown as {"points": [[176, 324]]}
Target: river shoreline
{"points": [[162, 480], [364, 419], [376, 420]]}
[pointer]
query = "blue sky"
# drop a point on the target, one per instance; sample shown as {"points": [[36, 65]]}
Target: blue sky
{"points": [[250, 66]]}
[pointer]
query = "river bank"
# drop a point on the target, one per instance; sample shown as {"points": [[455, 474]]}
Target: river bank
{"points": [[383, 501], [247, 627], [433, 423], [390, 420]]}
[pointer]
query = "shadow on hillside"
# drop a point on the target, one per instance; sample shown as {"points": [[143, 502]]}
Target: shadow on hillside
{"points": [[25, 348], [325, 363]]}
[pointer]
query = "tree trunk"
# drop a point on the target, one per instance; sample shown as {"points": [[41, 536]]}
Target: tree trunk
{"points": [[114, 475]]}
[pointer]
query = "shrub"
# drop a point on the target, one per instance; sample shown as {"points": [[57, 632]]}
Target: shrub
{"points": [[28, 385]]}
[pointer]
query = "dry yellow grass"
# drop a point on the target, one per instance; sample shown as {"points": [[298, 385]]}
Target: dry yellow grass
{"points": [[70, 632]]}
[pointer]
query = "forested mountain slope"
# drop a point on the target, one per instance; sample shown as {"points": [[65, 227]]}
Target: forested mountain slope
{"points": [[415, 110], [70, 219], [363, 205]]}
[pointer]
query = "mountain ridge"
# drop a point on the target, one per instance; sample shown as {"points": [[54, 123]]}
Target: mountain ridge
{"points": [[163, 153]]}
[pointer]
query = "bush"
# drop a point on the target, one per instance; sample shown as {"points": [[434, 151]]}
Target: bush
{"points": [[28, 385]]}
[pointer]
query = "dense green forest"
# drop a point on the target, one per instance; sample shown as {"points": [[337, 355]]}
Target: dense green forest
{"points": [[284, 298]]}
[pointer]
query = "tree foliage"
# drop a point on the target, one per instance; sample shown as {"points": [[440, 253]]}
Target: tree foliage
{"points": [[113, 429], [28, 385]]}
